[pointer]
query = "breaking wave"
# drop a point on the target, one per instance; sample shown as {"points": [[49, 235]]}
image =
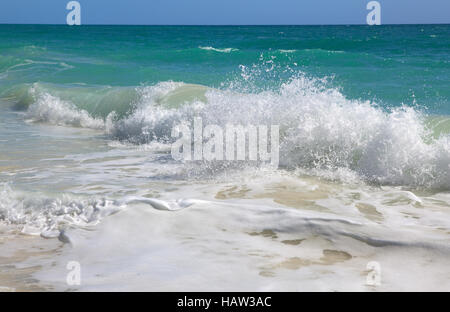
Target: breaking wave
{"points": [[321, 131], [50, 216]]}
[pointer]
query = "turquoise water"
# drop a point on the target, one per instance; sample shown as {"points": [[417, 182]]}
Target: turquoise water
{"points": [[372, 100], [392, 65]]}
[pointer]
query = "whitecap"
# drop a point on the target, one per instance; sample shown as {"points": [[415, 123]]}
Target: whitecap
{"points": [[225, 50]]}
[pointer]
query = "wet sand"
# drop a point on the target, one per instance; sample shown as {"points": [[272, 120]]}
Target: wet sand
{"points": [[21, 256]]}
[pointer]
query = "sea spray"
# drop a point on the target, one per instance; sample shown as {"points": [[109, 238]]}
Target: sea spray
{"points": [[320, 129]]}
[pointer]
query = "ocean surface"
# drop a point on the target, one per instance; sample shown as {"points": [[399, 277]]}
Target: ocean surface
{"points": [[86, 173]]}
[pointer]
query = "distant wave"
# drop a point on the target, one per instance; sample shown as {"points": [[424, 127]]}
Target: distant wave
{"points": [[287, 51], [225, 50]]}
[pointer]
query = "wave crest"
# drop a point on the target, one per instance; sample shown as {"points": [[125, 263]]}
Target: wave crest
{"points": [[51, 109], [322, 132]]}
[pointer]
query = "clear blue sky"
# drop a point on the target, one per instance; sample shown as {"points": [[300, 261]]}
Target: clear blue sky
{"points": [[213, 12]]}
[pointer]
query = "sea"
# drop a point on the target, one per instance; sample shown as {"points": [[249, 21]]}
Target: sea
{"points": [[91, 198]]}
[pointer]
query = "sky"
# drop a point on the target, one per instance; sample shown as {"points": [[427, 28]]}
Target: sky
{"points": [[224, 12]]}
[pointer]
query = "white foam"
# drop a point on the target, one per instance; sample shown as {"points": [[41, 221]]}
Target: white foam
{"points": [[287, 51], [47, 216], [251, 245], [225, 50], [160, 204], [51, 109], [321, 131]]}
